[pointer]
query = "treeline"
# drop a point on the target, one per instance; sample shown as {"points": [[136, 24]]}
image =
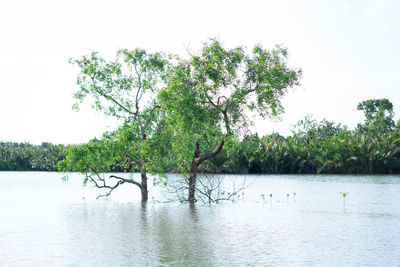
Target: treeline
{"points": [[348, 152], [313, 148], [322, 147], [28, 157]]}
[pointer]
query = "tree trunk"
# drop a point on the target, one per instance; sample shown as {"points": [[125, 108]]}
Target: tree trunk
{"points": [[193, 175], [192, 182], [143, 187], [197, 160]]}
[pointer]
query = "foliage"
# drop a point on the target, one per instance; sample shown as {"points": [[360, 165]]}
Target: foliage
{"points": [[27, 157], [322, 147], [124, 89], [116, 87], [309, 129], [210, 96], [349, 152], [378, 115]]}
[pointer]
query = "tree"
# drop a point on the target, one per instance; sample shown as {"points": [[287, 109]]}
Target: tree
{"points": [[123, 89], [378, 115], [309, 129], [210, 96]]}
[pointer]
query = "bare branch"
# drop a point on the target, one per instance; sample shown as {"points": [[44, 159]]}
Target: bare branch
{"points": [[94, 181], [211, 190], [111, 188], [175, 190], [101, 179], [188, 49], [124, 180]]}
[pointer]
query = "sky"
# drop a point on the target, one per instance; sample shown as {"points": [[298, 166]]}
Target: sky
{"points": [[348, 51]]}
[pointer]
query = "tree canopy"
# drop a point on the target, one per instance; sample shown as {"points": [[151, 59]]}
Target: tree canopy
{"points": [[378, 115], [123, 88], [211, 94]]}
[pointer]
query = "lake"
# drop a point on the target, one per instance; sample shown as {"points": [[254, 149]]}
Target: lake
{"points": [[45, 221]]}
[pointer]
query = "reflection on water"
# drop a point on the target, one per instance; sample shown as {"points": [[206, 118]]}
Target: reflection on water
{"points": [[47, 222], [135, 234]]}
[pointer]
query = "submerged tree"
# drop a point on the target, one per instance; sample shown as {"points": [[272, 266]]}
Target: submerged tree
{"points": [[123, 89], [211, 96]]}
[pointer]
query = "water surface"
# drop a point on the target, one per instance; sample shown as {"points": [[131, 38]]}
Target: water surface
{"points": [[47, 222]]}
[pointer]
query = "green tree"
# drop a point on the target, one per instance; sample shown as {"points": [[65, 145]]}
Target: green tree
{"points": [[210, 96], [309, 129], [123, 88], [378, 115]]}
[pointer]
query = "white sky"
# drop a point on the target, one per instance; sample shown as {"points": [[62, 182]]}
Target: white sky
{"points": [[348, 50]]}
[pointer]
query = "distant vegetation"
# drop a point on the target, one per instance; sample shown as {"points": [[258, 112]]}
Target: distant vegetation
{"points": [[314, 147], [27, 157], [322, 147]]}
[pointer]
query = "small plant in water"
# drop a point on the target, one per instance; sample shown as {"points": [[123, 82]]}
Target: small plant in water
{"points": [[262, 196], [344, 195]]}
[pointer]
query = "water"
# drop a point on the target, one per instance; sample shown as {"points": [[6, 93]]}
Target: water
{"points": [[47, 222]]}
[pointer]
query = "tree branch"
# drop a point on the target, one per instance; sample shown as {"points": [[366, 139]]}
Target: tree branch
{"points": [[110, 98], [116, 102], [139, 88], [137, 98], [104, 185], [188, 49], [210, 100], [220, 98], [135, 161], [111, 189], [149, 117], [124, 180], [211, 190], [226, 121], [212, 154]]}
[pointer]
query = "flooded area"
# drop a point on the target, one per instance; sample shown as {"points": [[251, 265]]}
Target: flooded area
{"points": [[48, 222]]}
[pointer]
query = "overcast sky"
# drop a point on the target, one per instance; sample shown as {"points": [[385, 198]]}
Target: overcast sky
{"points": [[348, 50]]}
